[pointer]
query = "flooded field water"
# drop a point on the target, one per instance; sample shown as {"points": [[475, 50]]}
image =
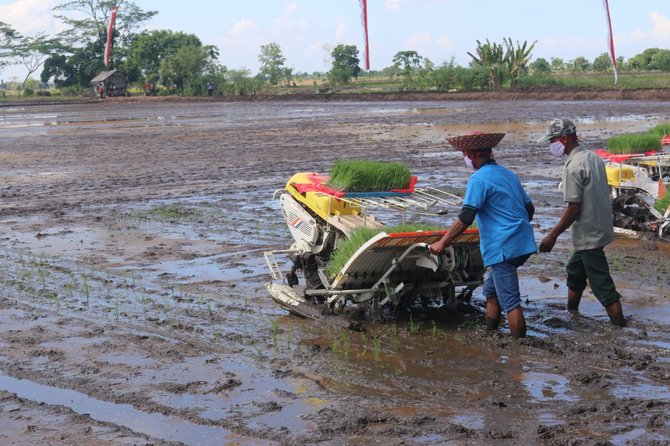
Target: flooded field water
{"points": [[133, 308]]}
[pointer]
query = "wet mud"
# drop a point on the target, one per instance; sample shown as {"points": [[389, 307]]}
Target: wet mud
{"points": [[133, 308]]}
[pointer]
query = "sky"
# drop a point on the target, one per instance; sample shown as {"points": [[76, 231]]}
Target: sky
{"points": [[307, 30]]}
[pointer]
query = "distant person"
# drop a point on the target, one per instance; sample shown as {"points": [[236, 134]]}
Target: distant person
{"points": [[147, 88], [495, 198], [101, 91], [589, 212], [210, 88]]}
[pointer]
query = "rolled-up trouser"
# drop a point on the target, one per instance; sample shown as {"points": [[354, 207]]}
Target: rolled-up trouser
{"points": [[502, 281]]}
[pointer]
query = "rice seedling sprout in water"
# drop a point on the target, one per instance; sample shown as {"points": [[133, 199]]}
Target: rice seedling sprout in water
{"points": [[377, 342]]}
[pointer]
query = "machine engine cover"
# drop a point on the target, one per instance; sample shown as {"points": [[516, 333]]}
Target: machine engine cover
{"points": [[302, 225]]}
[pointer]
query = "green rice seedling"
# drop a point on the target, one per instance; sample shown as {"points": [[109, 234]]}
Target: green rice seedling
{"points": [[661, 205], [346, 344], [414, 326], [335, 347], [634, 143], [43, 277], [218, 336], [434, 331], [87, 288], [368, 176], [359, 237], [377, 342], [661, 130], [364, 341]]}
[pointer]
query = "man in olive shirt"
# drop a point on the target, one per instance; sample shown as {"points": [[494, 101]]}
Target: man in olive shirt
{"points": [[589, 212]]}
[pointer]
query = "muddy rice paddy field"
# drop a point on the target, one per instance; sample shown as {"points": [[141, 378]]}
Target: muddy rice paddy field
{"points": [[133, 307]]}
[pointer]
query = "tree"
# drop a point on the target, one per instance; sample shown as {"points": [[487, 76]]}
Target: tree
{"points": [[491, 57], [149, 49], [540, 66], [643, 60], [602, 63], [557, 64], [91, 19], [581, 64], [345, 64], [185, 68], [86, 35], [660, 60], [31, 52], [272, 62], [8, 36], [407, 62], [517, 59]]}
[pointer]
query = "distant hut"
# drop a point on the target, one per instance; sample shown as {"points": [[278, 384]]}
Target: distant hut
{"points": [[115, 83]]}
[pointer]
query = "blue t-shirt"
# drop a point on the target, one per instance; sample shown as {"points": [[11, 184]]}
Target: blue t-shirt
{"points": [[498, 198]]}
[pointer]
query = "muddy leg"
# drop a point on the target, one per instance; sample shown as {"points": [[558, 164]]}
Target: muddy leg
{"points": [[517, 323], [492, 313], [574, 298], [615, 312]]}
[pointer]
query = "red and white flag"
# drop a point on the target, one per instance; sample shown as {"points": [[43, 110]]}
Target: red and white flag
{"points": [[610, 39], [364, 19], [110, 35]]}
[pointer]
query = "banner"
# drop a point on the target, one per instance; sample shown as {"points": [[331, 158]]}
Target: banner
{"points": [[610, 39], [110, 35], [364, 19]]}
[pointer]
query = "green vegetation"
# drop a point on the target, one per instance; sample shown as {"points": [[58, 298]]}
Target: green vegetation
{"points": [[368, 176], [179, 63], [359, 237], [662, 204], [639, 142], [634, 143]]}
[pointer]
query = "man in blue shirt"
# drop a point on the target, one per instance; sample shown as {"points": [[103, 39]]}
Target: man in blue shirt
{"points": [[495, 198]]}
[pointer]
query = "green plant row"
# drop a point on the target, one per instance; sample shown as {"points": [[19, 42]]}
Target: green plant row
{"points": [[359, 237], [368, 176], [639, 142], [661, 205]]}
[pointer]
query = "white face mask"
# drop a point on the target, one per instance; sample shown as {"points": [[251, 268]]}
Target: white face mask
{"points": [[557, 148], [468, 162]]}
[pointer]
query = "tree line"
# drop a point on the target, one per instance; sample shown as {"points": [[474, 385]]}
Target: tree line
{"points": [[181, 63]]}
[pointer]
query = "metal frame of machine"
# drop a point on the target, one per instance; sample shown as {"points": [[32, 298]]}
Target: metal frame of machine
{"points": [[388, 270]]}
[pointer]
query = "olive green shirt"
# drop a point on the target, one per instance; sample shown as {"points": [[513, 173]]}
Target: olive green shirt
{"points": [[585, 182]]}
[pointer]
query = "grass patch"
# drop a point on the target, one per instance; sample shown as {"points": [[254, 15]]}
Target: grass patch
{"points": [[359, 237], [368, 176], [662, 204]]}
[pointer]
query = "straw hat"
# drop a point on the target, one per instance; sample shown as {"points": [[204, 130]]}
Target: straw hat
{"points": [[475, 141]]}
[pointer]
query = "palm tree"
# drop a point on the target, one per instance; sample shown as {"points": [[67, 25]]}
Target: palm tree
{"points": [[517, 59], [492, 57]]}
